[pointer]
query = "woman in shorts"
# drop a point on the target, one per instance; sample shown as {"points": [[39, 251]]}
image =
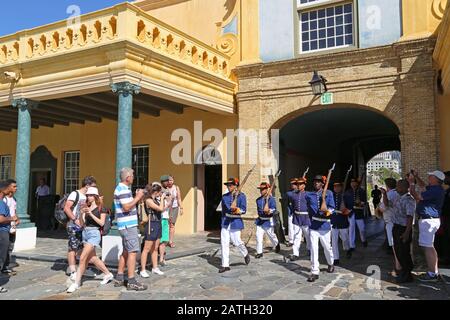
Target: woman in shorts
{"points": [[154, 206], [94, 218]]}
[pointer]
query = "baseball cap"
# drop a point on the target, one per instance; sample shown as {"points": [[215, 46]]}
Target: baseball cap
{"points": [[438, 174]]}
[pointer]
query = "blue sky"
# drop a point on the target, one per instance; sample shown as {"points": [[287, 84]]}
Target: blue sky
{"points": [[17, 15]]}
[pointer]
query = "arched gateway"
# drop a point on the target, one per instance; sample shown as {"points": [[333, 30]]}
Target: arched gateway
{"points": [[384, 98]]}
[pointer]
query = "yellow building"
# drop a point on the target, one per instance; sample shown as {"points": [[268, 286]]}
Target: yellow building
{"points": [[227, 64]]}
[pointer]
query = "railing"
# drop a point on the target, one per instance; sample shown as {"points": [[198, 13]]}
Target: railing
{"points": [[123, 22]]}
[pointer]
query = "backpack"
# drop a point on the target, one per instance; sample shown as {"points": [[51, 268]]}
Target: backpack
{"points": [[107, 226], [60, 215]]}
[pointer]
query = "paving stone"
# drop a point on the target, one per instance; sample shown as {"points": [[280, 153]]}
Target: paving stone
{"points": [[258, 294], [333, 292]]}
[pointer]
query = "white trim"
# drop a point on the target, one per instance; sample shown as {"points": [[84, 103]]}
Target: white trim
{"points": [[317, 3]]}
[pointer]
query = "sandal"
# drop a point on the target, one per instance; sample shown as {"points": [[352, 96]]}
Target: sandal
{"points": [[3, 290], [171, 245]]}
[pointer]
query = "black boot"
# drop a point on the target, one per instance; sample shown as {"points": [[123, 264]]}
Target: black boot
{"points": [[224, 269], [330, 269], [247, 259], [313, 278], [349, 254], [259, 256], [336, 262], [365, 244], [277, 248]]}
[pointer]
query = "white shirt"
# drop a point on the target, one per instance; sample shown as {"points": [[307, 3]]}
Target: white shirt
{"points": [[392, 197], [11, 203], [174, 193], [43, 191], [81, 199]]}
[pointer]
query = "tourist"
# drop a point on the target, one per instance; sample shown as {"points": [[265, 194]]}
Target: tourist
{"points": [[127, 223], [154, 206], [389, 197], [403, 216], [177, 208], [74, 229], [11, 203], [93, 218], [5, 226], [165, 217], [376, 197], [429, 208], [442, 242]]}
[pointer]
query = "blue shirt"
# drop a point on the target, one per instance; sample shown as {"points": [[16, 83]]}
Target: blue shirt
{"points": [[350, 198], [338, 220], [4, 211], [289, 207], [228, 218], [431, 205], [298, 200], [260, 204], [314, 201]]}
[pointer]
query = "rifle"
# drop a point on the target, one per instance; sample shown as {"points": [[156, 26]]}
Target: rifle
{"points": [[343, 209], [236, 192], [323, 207], [305, 173], [270, 190]]}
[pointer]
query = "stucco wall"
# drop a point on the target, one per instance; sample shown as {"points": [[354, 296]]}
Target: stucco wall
{"points": [[97, 145]]}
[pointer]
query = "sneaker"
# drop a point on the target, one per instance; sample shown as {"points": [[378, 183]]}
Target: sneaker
{"points": [[136, 286], [144, 274], [73, 287], [163, 263], [119, 283], [405, 279], [107, 279], [157, 271], [73, 276], [428, 278]]}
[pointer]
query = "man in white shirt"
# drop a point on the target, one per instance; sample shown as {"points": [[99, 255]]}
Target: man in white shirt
{"points": [[43, 189]]}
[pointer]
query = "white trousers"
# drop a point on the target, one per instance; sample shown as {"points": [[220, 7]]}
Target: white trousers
{"points": [[298, 233], [290, 229], [352, 230], [390, 236], [226, 235], [260, 231], [325, 239], [335, 235]]}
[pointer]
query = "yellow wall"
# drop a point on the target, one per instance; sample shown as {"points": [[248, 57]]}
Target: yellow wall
{"points": [[97, 145], [444, 122], [421, 18]]}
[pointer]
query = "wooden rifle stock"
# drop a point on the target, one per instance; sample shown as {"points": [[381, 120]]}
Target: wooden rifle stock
{"points": [[239, 188], [323, 207], [343, 209]]}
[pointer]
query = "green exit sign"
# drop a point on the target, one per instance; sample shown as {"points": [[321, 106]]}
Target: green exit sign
{"points": [[326, 98]]}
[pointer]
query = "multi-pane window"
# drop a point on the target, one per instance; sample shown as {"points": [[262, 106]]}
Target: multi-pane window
{"points": [[5, 167], [140, 160], [325, 26], [71, 171]]}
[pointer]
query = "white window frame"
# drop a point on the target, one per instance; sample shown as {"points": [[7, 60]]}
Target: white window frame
{"points": [[65, 178], [318, 5], [3, 174]]}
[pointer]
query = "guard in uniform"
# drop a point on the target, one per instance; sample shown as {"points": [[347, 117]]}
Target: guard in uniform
{"points": [[232, 223], [294, 188], [340, 225], [320, 229], [300, 220], [355, 199], [266, 207]]}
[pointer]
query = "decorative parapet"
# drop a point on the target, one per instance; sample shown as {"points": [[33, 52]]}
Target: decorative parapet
{"points": [[123, 22]]}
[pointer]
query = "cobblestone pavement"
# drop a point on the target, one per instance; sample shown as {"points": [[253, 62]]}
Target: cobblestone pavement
{"points": [[196, 278]]}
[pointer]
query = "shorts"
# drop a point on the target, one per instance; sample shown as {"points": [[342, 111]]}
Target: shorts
{"points": [[92, 236], [75, 239], [155, 231], [130, 239], [165, 230], [427, 230], [174, 215]]}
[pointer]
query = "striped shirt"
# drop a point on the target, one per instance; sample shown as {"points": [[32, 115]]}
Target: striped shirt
{"points": [[125, 219]]}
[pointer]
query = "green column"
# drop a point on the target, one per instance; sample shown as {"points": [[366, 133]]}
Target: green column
{"points": [[125, 91], [24, 107]]}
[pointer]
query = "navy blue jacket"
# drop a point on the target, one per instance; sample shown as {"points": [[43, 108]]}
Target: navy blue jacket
{"points": [[265, 220], [228, 218], [318, 219]]}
